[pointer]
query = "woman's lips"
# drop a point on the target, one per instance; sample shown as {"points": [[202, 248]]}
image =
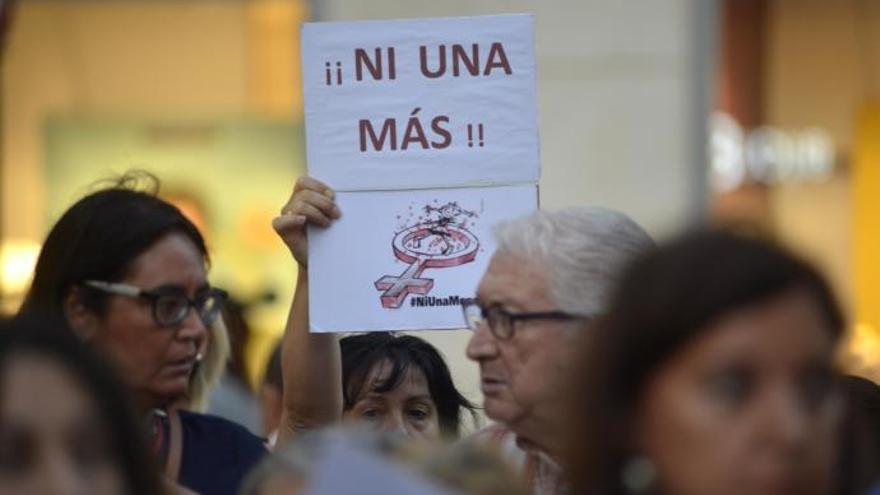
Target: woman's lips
{"points": [[182, 367]]}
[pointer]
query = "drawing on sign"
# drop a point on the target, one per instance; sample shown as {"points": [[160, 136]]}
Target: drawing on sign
{"points": [[438, 239]]}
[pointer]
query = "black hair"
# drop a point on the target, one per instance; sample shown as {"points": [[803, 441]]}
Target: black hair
{"points": [[239, 332], [360, 353], [99, 238], [664, 301], [50, 338]]}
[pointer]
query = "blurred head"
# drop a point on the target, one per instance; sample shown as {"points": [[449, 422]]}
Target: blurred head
{"points": [[288, 471], [473, 468], [563, 262], [65, 427], [467, 468], [239, 333], [121, 235], [400, 383], [711, 374]]}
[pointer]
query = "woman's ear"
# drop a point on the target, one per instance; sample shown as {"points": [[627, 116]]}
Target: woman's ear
{"points": [[82, 320]]}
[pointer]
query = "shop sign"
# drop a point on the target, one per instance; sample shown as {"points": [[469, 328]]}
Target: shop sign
{"points": [[767, 154]]}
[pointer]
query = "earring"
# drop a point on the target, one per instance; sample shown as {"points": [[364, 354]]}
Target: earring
{"points": [[638, 474]]}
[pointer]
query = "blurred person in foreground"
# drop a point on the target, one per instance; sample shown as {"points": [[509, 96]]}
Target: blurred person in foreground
{"points": [[128, 272], [394, 383], [550, 276], [466, 469], [710, 375], [65, 424]]}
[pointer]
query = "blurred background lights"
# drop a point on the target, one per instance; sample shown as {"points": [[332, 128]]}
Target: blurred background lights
{"points": [[17, 261], [860, 351], [767, 154]]}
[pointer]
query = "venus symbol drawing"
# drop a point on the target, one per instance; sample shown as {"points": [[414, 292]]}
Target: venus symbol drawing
{"points": [[438, 238]]}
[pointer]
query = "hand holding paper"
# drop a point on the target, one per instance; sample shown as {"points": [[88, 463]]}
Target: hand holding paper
{"points": [[311, 202], [311, 363]]}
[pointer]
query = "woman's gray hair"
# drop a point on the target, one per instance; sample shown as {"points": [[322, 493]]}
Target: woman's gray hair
{"points": [[582, 250]]}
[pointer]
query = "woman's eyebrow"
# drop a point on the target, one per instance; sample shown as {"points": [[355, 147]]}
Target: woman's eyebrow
{"points": [[179, 289], [170, 288]]}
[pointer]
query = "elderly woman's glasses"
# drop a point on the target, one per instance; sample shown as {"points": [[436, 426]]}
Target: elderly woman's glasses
{"points": [[169, 308], [502, 322]]}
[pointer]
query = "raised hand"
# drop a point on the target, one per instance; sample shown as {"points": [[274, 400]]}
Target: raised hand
{"points": [[311, 202]]}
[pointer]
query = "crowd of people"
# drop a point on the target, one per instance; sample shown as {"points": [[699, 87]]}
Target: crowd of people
{"points": [[608, 365]]}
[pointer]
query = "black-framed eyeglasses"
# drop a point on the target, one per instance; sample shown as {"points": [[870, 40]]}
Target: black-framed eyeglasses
{"points": [[502, 322], [169, 308]]}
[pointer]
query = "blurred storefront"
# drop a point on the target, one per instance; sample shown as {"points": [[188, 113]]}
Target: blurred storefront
{"points": [[202, 94], [794, 143]]}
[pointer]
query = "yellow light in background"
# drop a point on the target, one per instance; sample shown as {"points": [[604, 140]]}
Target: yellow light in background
{"points": [[274, 77], [861, 352], [864, 343], [17, 260], [274, 89], [866, 229]]}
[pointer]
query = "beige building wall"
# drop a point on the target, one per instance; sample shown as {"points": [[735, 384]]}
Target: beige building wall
{"points": [[618, 87]]}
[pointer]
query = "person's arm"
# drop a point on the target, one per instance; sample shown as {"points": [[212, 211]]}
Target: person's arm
{"points": [[310, 363]]}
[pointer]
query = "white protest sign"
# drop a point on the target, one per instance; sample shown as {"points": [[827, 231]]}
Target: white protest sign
{"points": [[404, 260], [414, 104], [427, 130]]}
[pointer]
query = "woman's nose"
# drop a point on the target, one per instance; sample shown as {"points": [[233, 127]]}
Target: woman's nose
{"points": [[192, 327]]}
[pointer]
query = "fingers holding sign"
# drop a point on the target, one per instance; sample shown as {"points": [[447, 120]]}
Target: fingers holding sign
{"points": [[311, 203]]}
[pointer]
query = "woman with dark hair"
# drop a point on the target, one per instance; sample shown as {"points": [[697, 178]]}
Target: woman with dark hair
{"points": [[711, 374], [65, 423], [128, 272], [395, 382], [366, 354]]}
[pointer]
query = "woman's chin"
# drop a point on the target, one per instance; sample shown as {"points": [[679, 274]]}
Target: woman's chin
{"points": [[171, 391]]}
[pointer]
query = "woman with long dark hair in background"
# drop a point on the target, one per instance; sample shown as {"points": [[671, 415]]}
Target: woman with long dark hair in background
{"points": [[128, 273]]}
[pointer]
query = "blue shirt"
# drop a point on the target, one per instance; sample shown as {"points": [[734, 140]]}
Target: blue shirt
{"points": [[217, 454]]}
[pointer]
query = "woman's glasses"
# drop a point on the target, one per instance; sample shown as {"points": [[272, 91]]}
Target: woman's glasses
{"points": [[169, 307]]}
